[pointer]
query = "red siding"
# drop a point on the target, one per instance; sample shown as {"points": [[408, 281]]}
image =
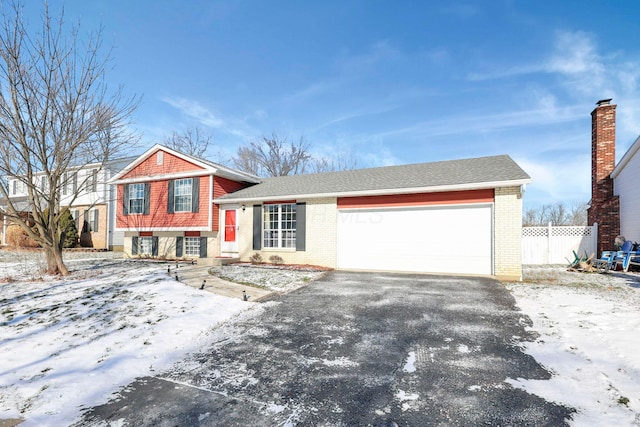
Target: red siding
{"points": [[170, 164], [418, 199], [222, 186], [158, 216]]}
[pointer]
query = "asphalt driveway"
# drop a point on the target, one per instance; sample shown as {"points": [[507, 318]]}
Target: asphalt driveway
{"points": [[354, 349]]}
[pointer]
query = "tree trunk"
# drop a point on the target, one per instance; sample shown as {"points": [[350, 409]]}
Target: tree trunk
{"points": [[55, 265]]}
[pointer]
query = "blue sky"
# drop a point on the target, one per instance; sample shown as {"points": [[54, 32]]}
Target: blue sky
{"points": [[383, 82]]}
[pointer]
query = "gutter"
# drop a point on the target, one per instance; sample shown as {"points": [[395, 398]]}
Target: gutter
{"points": [[434, 189]]}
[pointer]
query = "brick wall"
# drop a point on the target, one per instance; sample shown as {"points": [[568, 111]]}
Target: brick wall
{"points": [[508, 233], [321, 237], [605, 207]]}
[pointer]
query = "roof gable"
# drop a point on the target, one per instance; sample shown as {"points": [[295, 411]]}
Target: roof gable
{"points": [[160, 162], [451, 175]]}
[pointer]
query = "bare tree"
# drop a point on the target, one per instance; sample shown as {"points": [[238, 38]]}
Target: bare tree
{"points": [[193, 141], [578, 213], [324, 164], [56, 114], [274, 156], [556, 215]]}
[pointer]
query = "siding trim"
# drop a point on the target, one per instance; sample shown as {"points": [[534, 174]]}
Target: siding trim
{"points": [[419, 199]]}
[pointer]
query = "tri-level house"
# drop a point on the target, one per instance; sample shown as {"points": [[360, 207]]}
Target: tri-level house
{"points": [[165, 205], [458, 216], [88, 196]]}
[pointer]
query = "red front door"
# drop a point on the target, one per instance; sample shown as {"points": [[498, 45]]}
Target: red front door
{"points": [[229, 225]]}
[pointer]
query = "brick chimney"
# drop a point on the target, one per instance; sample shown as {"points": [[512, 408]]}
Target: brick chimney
{"points": [[605, 207]]}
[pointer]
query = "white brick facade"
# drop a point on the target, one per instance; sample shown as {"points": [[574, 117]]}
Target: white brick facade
{"points": [[508, 233], [321, 236]]}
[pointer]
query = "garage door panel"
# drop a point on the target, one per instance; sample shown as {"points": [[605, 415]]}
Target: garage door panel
{"points": [[441, 240]]}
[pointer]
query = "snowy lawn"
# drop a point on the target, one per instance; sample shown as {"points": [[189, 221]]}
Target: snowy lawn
{"points": [[67, 344], [589, 326]]}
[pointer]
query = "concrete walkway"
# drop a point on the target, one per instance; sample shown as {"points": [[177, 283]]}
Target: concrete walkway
{"points": [[195, 275]]}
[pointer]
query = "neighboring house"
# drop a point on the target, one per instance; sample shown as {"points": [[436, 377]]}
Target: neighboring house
{"points": [[460, 216], [615, 194], [165, 204], [88, 196]]}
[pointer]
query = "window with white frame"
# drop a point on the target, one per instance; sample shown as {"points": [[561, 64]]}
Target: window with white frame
{"points": [[182, 194], [279, 226], [136, 198], [192, 246], [92, 181], [69, 183], [145, 245], [93, 220]]}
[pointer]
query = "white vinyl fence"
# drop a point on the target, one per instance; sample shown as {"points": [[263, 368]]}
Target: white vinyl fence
{"points": [[555, 244]]}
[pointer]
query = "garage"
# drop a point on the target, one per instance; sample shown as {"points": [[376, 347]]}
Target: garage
{"points": [[433, 239]]}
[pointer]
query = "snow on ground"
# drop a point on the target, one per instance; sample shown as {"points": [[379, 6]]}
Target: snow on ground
{"points": [[272, 277], [589, 326], [67, 344]]}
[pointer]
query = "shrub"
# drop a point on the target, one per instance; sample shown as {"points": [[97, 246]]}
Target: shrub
{"points": [[275, 259], [68, 224], [256, 258], [18, 238]]}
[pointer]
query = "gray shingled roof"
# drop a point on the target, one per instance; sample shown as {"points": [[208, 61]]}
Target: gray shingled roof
{"points": [[463, 173]]}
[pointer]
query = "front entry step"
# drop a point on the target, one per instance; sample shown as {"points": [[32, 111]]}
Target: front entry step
{"points": [[217, 261]]}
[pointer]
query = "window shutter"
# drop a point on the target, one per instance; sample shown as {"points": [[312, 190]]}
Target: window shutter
{"points": [[147, 196], [257, 227], [125, 199], [94, 227], [85, 221], [154, 246], [179, 246], [75, 182], [195, 194], [76, 218], [65, 182], [134, 245], [301, 226], [170, 197], [203, 247]]}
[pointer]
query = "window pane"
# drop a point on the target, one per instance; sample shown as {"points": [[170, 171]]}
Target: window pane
{"points": [[192, 246], [279, 226], [145, 245], [182, 195], [136, 198]]}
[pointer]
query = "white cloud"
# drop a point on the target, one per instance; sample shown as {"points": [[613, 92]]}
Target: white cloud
{"points": [[565, 180], [547, 112], [195, 110], [574, 53], [204, 116]]}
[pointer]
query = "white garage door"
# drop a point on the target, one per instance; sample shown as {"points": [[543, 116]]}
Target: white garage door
{"points": [[423, 239]]}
